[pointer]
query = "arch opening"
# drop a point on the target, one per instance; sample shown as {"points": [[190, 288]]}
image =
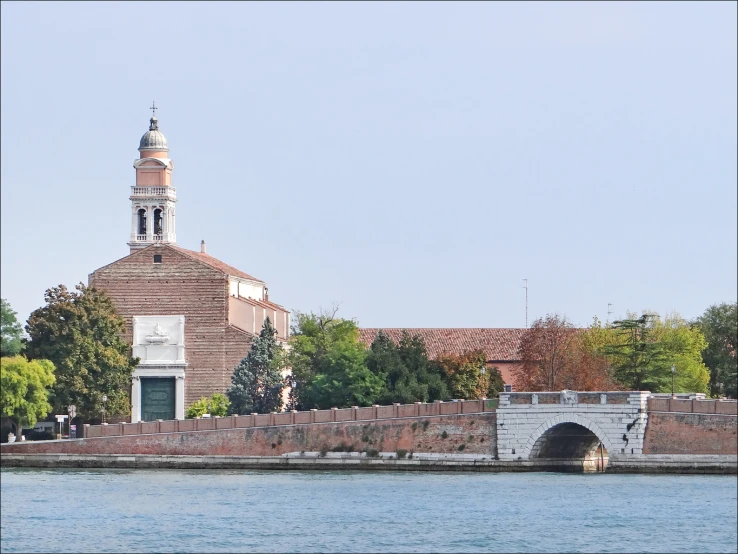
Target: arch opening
{"points": [[571, 441], [141, 221], [158, 222]]}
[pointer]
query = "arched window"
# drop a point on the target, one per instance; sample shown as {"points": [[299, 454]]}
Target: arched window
{"points": [[158, 222], [141, 221]]}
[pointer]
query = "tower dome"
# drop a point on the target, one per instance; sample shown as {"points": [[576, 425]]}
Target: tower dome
{"points": [[153, 139]]}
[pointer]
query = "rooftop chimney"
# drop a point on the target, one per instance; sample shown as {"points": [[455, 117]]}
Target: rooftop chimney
{"points": [[202, 246]]}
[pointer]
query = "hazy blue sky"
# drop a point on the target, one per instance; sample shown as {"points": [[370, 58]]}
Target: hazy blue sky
{"points": [[412, 161]]}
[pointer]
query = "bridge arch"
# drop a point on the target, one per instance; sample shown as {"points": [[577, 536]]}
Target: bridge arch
{"points": [[566, 436]]}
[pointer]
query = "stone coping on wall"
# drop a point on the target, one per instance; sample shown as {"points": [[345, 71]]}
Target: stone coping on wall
{"points": [[334, 415]]}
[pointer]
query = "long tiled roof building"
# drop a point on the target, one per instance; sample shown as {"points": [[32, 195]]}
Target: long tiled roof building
{"points": [[499, 345]]}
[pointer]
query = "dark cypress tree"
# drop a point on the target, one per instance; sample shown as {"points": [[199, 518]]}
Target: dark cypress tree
{"points": [[257, 383]]}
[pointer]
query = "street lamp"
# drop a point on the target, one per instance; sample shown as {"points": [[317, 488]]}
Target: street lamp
{"points": [[673, 371], [104, 399]]}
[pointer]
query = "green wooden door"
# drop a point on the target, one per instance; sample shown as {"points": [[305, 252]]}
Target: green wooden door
{"points": [[157, 398]]}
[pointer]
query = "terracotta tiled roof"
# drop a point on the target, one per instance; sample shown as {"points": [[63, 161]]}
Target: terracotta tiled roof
{"points": [[216, 264], [273, 305], [500, 345]]}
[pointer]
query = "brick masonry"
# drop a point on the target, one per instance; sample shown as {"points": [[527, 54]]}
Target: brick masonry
{"points": [[467, 434], [690, 433], [180, 285]]}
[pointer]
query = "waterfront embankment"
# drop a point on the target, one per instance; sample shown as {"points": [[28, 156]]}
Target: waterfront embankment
{"points": [[385, 461]]}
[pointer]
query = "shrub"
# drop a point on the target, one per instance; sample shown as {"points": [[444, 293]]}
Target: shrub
{"points": [[216, 405], [343, 447], [461, 447], [401, 453], [444, 435], [197, 409]]}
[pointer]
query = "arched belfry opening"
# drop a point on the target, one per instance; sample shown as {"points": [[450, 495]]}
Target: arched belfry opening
{"points": [[142, 222], [158, 220], [571, 441]]}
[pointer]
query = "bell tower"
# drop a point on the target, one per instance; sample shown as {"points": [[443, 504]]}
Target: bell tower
{"points": [[153, 197]]}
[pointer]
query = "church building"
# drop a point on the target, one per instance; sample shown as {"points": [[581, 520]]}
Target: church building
{"points": [[190, 317]]}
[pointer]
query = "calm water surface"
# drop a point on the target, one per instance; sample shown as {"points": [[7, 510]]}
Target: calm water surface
{"points": [[253, 511]]}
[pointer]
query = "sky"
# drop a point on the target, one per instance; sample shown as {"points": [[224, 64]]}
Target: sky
{"points": [[409, 162]]}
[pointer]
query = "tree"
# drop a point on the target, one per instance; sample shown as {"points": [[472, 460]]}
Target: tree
{"points": [[683, 346], [545, 354], [719, 325], [10, 331], [24, 390], [81, 334], [257, 383], [467, 375], [407, 373], [638, 360], [642, 350], [588, 368], [216, 405], [328, 364]]}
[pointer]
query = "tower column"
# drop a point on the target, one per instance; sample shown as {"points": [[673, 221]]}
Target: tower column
{"points": [[134, 222], [149, 223]]}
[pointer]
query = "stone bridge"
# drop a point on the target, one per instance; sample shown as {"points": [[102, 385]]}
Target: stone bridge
{"points": [[571, 425]]}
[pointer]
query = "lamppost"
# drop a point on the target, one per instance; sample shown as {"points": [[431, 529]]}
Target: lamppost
{"points": [[482, 373], [104, 399], [673, 371]]}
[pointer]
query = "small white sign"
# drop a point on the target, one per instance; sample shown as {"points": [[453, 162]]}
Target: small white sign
{"points": [[61, 418]]}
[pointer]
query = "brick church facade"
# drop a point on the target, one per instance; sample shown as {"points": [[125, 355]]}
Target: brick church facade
{"points": [[190, 317]]}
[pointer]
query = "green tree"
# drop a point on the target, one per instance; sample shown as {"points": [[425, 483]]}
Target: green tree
{"points": [[82, 335], [257, 383], [642, 351], [24, 390], [719, 324], [328, 364], [216, 405], [467, 375], [10, 331], [408, 375], [638, 361], [683, 346]]}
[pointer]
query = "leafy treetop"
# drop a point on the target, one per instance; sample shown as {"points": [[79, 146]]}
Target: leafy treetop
{"points": [[24, 390], [81, 334], [10, 330]]}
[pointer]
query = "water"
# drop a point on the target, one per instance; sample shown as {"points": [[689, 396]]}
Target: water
{"points": [[258, 511]]}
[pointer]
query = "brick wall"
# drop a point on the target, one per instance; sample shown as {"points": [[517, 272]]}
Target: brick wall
{"points": [[466, 433], [690, 433], [696, 406], [180, 285]]}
